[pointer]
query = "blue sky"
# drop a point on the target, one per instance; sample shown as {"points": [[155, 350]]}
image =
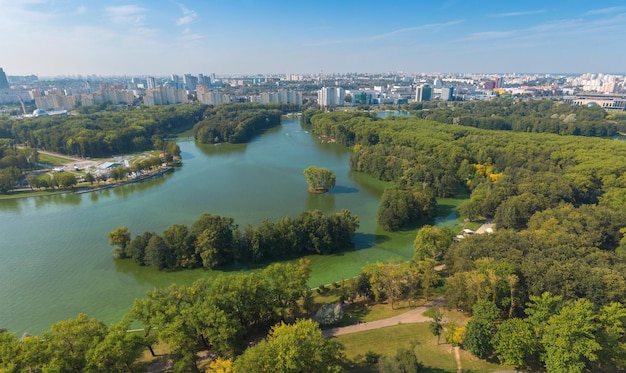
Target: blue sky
{"points": [[160, 37]]}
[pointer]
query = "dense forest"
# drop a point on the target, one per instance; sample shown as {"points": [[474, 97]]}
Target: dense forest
{"points": [[238, 123], [555, 268], [104, 133], [214, 241], [510, 175], [525, 116]]}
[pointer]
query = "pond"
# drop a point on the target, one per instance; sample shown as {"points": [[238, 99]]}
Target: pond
{"points": [[55, 260]]}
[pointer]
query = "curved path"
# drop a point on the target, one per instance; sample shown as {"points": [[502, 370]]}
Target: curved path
{"points": [[413, 316]]}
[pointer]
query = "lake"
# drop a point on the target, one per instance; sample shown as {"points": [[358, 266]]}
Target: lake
{"points": [[55, 260]]}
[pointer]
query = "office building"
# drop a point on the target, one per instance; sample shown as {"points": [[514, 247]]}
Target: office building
{"points": [[447, 93], [423, 93]]}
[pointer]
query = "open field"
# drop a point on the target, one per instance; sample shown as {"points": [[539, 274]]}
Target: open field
{"points": [[436, 358], [54, 160]]}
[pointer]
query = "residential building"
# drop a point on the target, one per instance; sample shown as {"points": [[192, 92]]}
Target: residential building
{"points": [[284, 96], [330, 96], [165, 95], [151, 82], [211, 97], [55, 101], [107, 96]]}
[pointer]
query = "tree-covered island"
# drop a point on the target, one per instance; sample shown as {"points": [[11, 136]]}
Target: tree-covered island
{"points": [[320, 179], [215, 241]]}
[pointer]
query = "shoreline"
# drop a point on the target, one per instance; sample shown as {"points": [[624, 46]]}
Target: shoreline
{"points": [[83, 190]]}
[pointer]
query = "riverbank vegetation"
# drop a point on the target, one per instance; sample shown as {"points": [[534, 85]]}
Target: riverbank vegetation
{"points": [[238, 123], [215, 241], [14, 163], [103, 134]]}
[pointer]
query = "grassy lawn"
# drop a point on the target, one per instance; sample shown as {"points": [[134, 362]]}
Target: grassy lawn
{"points": [[53, 160], [386, 341]]}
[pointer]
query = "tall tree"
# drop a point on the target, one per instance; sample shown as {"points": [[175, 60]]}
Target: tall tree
{"points": [[296, 348], [569, 338]]}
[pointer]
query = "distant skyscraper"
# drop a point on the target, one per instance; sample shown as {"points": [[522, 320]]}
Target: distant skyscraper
{"points": [[4, 83], [447, 93], [190, 82], [423, 93], [151, 82], [499, 82]]}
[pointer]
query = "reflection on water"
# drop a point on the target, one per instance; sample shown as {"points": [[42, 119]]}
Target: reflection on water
{"points": [[69, 198], [320, 201], [340, 189]]}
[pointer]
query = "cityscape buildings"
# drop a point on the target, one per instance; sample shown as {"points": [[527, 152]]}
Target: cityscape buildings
{"points": [[327, 90]]}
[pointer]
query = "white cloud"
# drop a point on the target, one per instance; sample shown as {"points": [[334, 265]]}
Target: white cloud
{"points": [[185, 20], [127, 14], [188, 16], [430, 26], [517, 14], [614, 9], [386, 35]]}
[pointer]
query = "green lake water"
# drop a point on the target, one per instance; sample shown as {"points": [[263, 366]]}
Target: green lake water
{"points": [[55, 260]]}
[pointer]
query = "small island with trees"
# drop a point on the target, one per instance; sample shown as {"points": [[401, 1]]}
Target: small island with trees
{"points": [[320, 179]]}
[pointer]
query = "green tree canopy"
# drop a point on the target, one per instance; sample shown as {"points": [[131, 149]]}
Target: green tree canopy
{"points": [[320, 179], [296, 348]]}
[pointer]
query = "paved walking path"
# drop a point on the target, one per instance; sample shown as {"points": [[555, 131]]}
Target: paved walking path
{"points": [[413, 316]]}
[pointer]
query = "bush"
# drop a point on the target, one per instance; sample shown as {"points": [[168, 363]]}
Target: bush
{"points": [[329, 314]]}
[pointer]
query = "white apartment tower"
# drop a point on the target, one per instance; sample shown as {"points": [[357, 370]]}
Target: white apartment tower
{"points": [[330, 96]]}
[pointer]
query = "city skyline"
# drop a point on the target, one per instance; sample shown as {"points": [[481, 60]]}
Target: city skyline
{"points": [[51, 38]]}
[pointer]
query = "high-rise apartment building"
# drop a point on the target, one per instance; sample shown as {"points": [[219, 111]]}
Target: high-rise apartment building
{"points": [[165, 95], [330, 96], [55, 101], [211, 97], [107, 96], [4, 83], [423, 93], [151, 82], [284, 96], [190, 82]]}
